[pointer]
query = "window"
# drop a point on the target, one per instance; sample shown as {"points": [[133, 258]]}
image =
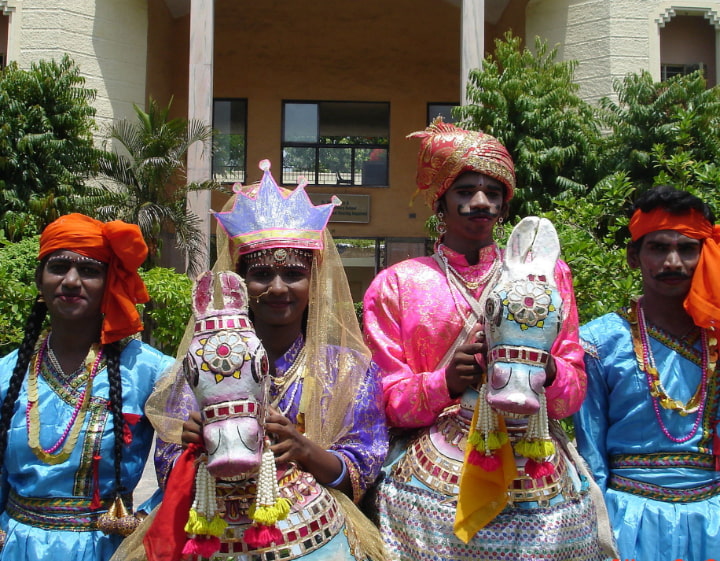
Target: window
{"points": [[229, 123], [341, 143], [670, 70], [443, 110]]}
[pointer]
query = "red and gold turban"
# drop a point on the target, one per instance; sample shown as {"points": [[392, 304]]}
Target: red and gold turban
{"points": [[703, 300], [448, 151], [123, 248]]}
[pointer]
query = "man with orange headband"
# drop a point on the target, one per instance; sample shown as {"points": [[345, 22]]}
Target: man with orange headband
{"points": [[649, 425], [73, 436], [423, 320]]}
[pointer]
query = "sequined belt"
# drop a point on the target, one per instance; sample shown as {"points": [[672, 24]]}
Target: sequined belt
{"points": [[441, 473], [304, 530], [660, 460], [665, 494], [69, 514]]}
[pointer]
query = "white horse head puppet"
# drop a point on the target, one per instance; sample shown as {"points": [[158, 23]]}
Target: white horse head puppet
{"points": [[522, 318], [227, 369]]}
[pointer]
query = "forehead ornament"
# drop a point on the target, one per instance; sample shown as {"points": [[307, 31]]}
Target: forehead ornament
{"points": [[280, 255]]}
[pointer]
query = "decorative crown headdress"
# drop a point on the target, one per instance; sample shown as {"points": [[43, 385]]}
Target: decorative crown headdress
{"points": [[273, 219]]}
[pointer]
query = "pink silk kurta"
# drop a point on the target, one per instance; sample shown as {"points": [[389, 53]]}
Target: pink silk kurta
{"points": [[411, 319]]}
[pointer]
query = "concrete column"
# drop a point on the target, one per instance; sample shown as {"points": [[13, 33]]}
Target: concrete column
{"points": [[200, 103], [472, 36]]}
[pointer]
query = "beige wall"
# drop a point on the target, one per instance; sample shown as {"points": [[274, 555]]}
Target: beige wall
{"points": [[405, 52], [106, 38], [611, 38]]}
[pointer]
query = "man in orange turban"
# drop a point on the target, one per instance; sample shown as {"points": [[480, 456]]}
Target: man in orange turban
{"points": [[73, 434], [648, 427], [119, 245]]}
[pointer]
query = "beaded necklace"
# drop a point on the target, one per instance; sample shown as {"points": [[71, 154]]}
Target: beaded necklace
{"points": [[68, 439], [660, 398], [292, 378]]}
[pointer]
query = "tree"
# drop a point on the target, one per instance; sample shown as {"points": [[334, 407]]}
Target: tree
{"points": [[663, 133], [529, 102], [46, 146], [145, 183]]}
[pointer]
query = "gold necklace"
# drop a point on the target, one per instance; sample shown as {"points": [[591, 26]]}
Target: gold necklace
{"points": [[69, 437], [292, 375], [646, 363], [471, 285]]}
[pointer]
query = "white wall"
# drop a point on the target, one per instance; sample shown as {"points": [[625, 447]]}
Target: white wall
{"points": [[106, 38], [608, 38]]}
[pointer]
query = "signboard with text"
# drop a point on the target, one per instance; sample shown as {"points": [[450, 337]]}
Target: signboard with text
{"points": [[354, 208]]}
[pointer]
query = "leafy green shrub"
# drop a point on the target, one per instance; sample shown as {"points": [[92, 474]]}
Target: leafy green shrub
{"points": [[17, 278], [530, 102], [46, 145], [169, 309]]}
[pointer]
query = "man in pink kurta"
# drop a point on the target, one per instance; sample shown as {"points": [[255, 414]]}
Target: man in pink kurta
{"points": [[411, 319], [424, 328]]}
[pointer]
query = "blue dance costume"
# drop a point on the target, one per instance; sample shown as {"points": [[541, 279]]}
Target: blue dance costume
{"points": [[655, 465], [47, 509]]}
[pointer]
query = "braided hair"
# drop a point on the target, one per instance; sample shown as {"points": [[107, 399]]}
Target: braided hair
{"points": [[112, 360], [112, 351], [33, 327]]}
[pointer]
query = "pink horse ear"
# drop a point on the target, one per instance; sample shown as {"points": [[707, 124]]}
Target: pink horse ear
{"points": [[202, 293], [234, 291]]}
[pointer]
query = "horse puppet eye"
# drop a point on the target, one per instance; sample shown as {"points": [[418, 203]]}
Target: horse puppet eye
{"points": [[493, 309], [192, 375]]}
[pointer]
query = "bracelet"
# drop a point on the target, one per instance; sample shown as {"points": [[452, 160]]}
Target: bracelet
{"points": [[335, 484]]}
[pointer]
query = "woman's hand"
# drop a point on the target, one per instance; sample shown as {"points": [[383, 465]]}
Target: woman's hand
{"points": [[290, 445], [468, 363], [192, 430]]}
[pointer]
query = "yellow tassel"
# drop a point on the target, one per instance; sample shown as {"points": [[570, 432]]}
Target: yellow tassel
{"points": [[536, 449], [283, 506], [495, 440], [217, 526], [477, 441], [265, 515]]}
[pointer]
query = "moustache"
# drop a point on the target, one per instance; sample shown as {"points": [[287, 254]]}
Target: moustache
{"points": [[477, 214], [672, 276]]}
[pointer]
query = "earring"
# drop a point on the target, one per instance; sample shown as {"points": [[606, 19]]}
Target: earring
{"points": [[499, 228], [440, 227], [40, 298]]}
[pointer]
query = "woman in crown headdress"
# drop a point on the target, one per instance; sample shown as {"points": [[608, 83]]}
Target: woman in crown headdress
{"points": [[327, 416], [73, 435]]}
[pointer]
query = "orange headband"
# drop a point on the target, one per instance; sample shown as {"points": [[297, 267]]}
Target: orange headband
{"points": [[123, 248], [703, 300], [691, 224]]}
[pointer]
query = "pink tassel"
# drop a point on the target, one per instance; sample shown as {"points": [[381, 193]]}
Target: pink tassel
{"points": [[488, 463], [260, 536], [204, 546], [536, 470]]}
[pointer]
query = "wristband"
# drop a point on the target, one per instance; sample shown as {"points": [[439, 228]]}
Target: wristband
{"points": [[335, 484]]}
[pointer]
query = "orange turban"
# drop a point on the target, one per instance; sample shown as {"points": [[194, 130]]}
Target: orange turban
{"points": [[123, 248], [703, 300], [448, 151]]}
